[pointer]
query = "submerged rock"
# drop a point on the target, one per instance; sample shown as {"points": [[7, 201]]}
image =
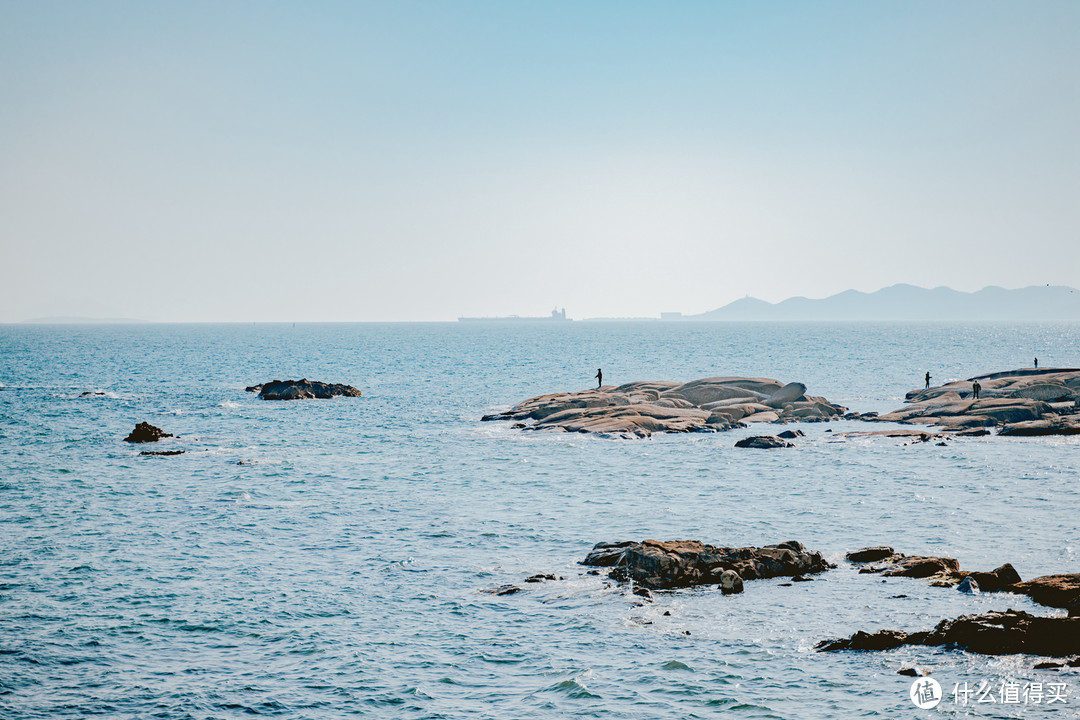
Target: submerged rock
{"points": [[145, 432], [686, 563], [992, 633], [763, 442], [639, 409], [302, 389], [162, 452]]}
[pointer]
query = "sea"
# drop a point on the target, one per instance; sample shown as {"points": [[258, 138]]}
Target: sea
{"points": [[338, 558]]}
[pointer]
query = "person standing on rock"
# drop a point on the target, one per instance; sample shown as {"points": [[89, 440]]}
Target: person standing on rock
{"points": [[975, 388], [1036, 363], [599, 378], [927, 379]]}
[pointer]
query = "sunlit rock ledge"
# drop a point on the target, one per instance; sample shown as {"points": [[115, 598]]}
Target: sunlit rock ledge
{"points": [[1021, 402], [639, 409]]}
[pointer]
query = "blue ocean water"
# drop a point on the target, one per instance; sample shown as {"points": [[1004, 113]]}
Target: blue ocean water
{"points": [[326, 559]]}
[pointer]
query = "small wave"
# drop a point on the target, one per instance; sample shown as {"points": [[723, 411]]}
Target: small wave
{"points": [[676, 665], [572, 688], [229, 404]]}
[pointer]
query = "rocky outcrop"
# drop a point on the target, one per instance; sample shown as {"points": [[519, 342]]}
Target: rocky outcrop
{"points": [[1023, 402], [686, 563], [941, 571], [639, 409], [763, 442], [992, 633], [145, 432], [302, 389], [1060, 591], [896, 564]]}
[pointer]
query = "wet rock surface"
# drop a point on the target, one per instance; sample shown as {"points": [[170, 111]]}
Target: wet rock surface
{"points": [[302, 389], [1060, 591], [1021, 402], [145, 432], [894, 564], [992, 633], [686, 563], [639, 409]]}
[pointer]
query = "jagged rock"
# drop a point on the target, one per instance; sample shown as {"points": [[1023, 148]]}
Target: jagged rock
{"points": [[870, 554], [998, 579], [639, 409], [302, 389], [539, 578], [145, 432], [992, 633], [685, 563], [763, 442], [791, 434]]}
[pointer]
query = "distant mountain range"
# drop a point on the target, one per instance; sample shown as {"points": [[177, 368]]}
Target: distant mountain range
{"points": [[907, 302]]}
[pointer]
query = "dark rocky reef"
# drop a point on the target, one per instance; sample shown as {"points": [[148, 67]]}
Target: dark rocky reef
{"points": [[639, 409], [940, 571], [992, 633], [1021, 402], [145, 432], [686, 563], [302, 389]]}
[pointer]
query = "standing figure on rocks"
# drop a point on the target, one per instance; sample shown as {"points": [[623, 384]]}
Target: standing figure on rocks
{"points": [[599, 378], [975, 388], [927, 379], [1036, 363]]}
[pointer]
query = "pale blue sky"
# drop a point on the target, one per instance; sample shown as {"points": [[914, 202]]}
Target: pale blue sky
{"points": [[417, 161]]}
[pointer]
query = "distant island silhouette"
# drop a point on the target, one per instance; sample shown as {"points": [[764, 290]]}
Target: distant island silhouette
{"points": [[908, 302]]}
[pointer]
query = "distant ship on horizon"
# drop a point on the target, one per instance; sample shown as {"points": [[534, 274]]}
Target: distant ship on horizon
{"points": [[557, 315]]}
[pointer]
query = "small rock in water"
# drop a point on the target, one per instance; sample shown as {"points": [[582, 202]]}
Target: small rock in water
{"points": [[302, 389], [145, 432], [162, 452], [792, 434], [507, 589], [969, 586], [539, 578], [763, 442], [730, 582]]}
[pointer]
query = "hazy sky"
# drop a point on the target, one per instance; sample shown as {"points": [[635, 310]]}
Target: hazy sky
{"points": [[419, 161]]}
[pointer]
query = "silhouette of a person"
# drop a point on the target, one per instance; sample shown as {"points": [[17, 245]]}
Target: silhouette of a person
{"points": [[599, 377], [1036, 362], [975, 388], [928, 380]]}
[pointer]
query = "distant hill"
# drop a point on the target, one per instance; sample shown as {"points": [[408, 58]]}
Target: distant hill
{"points": [[907, 302]]}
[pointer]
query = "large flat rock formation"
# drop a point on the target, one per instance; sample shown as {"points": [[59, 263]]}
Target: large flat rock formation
{"points": [[639, 409], [1021, 402]]}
